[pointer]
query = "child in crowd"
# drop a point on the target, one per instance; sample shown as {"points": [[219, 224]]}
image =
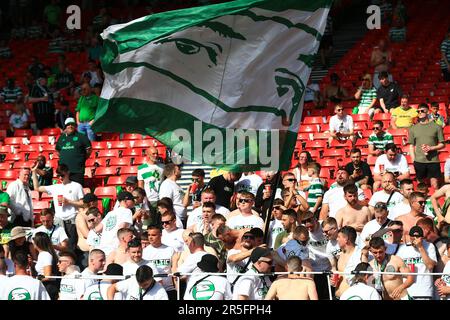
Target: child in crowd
{"points": [[435, 116], [315, 189]]}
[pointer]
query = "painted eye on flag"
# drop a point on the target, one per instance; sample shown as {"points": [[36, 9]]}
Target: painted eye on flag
{"points": [[188, 46]]}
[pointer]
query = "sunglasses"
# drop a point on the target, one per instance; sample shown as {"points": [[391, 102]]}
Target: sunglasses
{"points": [[422, 111], [337, 110], [269, 262], [376, 128], [60, 261], [91, 220], [380, 206], [326, 231], [167, 222], [290, 180], [422, 203], [276, 208], [195, 179], [60, 175], [250, 237], [245, 200]]}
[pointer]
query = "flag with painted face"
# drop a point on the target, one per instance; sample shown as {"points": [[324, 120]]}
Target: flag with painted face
{"points": [[221, 85]]}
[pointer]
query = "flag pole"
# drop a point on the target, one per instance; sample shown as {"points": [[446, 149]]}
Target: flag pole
{"points": [[269, 210]]}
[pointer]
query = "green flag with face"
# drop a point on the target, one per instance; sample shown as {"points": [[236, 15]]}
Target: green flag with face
{"points": [[221, 85]]}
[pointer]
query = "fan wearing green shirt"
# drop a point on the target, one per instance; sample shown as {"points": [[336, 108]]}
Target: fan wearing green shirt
{"points": [[86, 108]]}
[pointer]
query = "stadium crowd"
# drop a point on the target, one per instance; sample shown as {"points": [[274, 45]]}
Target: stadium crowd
{"points": [[383, 208]]}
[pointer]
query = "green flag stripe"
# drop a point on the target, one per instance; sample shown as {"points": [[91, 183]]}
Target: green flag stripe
{"points": [[118, 67], [162, 24], [283, 21], [139, 116]]}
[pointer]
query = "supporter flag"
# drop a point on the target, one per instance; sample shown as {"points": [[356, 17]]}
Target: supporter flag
{"points": [[222, 84]]}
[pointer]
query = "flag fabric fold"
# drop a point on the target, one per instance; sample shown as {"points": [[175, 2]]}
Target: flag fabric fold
{"points": [[222, 84]]}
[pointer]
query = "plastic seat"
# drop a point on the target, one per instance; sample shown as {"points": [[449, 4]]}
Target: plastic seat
{"points": [[129, 170], [303, 136], [39, 139], [133, 152], [360, 117], [123, 161], [320, 136], [114, 153], [106, 171], [116, 181], [382, 116], [103, 192], [334, 153], [118, 144], [51, 131], [5, 166], [132, 136], [312, 120], [315, 144], [330, 163], [137, 161], [13, 141], [39, 205], [98, 145], [23, 133], [144, 143], [9, 174], [15, 157], [309, 128]]}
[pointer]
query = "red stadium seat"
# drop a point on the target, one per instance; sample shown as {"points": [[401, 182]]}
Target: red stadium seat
{"points": [[39, 139], [39, 205], [51, 131], [360, 117], [116, 181], [9, 174], [144, 143], [309, 128], [329, 163], [133, 152], [315, 144], [312, 120], [129, 170], [108, 153], [382, 116], [13, 141], [124, 161], [103, 192], [23, 133], [106, 171], [98, 145], [132, 136], [5, 165]]}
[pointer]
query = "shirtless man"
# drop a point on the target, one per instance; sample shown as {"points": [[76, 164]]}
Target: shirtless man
{"points": [[392, 287], [353, 214], [417, 203], [121, 255], [348, 259], [295, 286], [444, 191]]}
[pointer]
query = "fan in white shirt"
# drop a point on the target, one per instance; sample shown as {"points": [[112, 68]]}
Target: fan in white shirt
{"points": [[359, 290], [245, 219], [207, 195], [406, 188], [99, 290], [70, 288], [169, 188], [391, 161], [56, 234], [135, 260], [172, 236], [389, 195], [196, 245]]}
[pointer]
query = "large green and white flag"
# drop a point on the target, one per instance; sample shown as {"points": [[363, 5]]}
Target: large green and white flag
{"points": [[221, 84]]}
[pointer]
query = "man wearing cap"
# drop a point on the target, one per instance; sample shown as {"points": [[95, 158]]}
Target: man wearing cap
{"points": [[359, 290], [333, 199], [21, 203], [391, 287], [149, 175], [420, 257], [67, 198], [70, 287], [99, 290], [141, 287], [295, 286], [122, 217], [253, 285], [74, 148], [86, 108], [208, 287], [131, 183]]}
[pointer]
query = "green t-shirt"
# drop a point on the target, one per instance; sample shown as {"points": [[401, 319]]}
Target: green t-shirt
{"points": [[5, 233], [72, 151], [430, 134], [380, 142], [52, 13], [279, 239], [87, 106], [315, 191], [4, 197]]}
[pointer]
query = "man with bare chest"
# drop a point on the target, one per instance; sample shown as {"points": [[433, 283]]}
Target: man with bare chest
{"points": [[353, 214], [121, 255], [417, 203], [348, 259], [391, 287]]}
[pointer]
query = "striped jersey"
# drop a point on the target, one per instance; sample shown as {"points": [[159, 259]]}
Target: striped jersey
{"points": [[445, 49], [367, 96], [315, 191], [397, 34], [11, 95], [380, 142], [151, 174]]}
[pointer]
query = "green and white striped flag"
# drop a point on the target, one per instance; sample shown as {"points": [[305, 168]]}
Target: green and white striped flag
{"points": [[220, 84]]}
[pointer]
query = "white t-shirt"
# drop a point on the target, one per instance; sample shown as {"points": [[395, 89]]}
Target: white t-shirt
{"points": [[398, 165], [239, 222], [333, 250], [190, 264], [71, 191], [275, 228], [71, 288], [88, 282], [172, 190], [248, 183], [343, 125], [56, 234], [423, 285], [238, 267], [17, 121], [20, 287], [317, 246], [293, 248], [399, 209], [173, 239], [382, 196], [109, 241], [196, 215], [336, 201], [160, 259], [93, 239], [447, 168], [360, 291], [446, 277], [44, 259], [370, 228], [310, 90], [352, 262], [130, 267], [99, 291], [131, 291], [211, 288], [255, 288], [3, 283], [151, 175]]}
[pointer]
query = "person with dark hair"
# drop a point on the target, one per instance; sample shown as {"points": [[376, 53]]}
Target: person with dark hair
{"points": [[46, 264], [359, 171], [417, 204], [10, 93], [70, 288], [426, 138], [171, 189], [391, 161], [380, 222], [195, 189], [404, 115], [301, 170], [67, 198], [22, 286], [204, 226], [63, 114], [57, 234], [403, 207], [85, 111], [334, 92], [435, 116], [445, 57], [223, 187], [141, 287], [359, 290], [43, 104], [350, 256], [207, 195], [44, 172], [378, 139], [388, 93], [390, 287], [172, 235], [135, 259], [245, 219], [353, 214], [341, 127], [74, 148], [289, 220]]}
